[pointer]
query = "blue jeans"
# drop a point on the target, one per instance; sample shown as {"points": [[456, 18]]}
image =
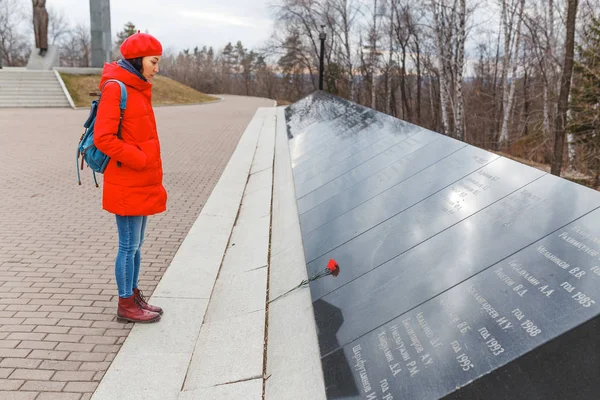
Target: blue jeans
{"points": [[127, 267]]}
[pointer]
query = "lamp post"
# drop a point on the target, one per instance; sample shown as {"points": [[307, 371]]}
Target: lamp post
{"points": [[322, 37]]}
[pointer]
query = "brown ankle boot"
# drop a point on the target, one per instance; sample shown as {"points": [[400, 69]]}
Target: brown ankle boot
{"points": [[130, 310], [139, 296]]}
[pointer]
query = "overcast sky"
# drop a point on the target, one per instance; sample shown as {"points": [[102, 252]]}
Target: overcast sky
{"points": [[180, 24]]}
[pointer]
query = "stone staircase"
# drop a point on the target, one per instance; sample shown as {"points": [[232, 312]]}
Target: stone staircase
{"points": [[20, 87]]}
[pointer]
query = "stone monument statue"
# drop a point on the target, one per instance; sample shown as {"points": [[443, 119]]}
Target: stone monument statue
{"points": [[40, 25]]}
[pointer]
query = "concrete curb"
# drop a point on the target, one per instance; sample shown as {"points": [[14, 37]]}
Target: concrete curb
{"points": [[154, 361], [230, 349], [293, 368], [64, 88], [79, 70], [220, 99]]}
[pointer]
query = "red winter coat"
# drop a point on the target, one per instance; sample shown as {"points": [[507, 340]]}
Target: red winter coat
{"points": [[135, 187]]}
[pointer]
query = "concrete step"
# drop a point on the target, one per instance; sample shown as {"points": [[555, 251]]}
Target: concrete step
{"points": [[18, 96], [29, 74], [31, 82], [33, 100], [31, 89], [38, 104], [24, 72], [27, 78], [31, 92]]}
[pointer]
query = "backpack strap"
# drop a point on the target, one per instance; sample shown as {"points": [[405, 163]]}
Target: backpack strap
{"points": [[122, 107]]}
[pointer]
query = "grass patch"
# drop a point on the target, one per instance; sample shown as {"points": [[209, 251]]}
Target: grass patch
{"points": [[165, 91]]}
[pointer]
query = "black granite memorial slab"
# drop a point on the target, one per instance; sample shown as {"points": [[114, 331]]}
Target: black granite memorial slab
{"points": [[437, 264], [406, 208], [380, 151], [463, 274], [352, 171], [536, 300], [316, 210], [315, 140], [315, 109], [380, 154], [347, 130], [374, 131]]}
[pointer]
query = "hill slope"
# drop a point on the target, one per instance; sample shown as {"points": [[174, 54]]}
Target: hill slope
{"points": [[165, 91]]}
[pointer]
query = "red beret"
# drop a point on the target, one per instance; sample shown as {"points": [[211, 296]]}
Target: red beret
{"points": [[140, 45]]}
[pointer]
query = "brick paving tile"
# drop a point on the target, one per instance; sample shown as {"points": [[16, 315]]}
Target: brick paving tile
{"points": [[65, 338], [5, 372], [75, 323], [6, 353], [20, 363], [83, 387], [26, 336], [51, 329], [85, 356], [57, 247], [37, 344], [75, 347], [99, 375], [43, 386], [60, 365], [12, 395], [16, 328], [48, 355], [94, 366], [31, 374], [9, 344], [75, 376], [60, 396], [11, 384]]}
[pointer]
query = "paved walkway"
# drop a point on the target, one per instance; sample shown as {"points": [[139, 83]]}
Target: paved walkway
{"points": [[58, 332]]}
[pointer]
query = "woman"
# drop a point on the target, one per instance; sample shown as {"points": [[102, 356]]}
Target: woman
{"points": [[133, 187]]}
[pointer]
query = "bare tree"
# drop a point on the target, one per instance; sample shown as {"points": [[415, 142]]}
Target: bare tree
{"points": [[58, 25], [441, 35], [389, 64], [13, 43], [303, 17], [449, 28], [403, 37], [344, 14], [460, 61], [415, 47], [511, 14], [541, 34], [373, 56], [565, 88], [75, 47]]}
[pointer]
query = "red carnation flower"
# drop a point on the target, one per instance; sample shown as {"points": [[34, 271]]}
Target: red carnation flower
{"points": [[333, 267]]}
